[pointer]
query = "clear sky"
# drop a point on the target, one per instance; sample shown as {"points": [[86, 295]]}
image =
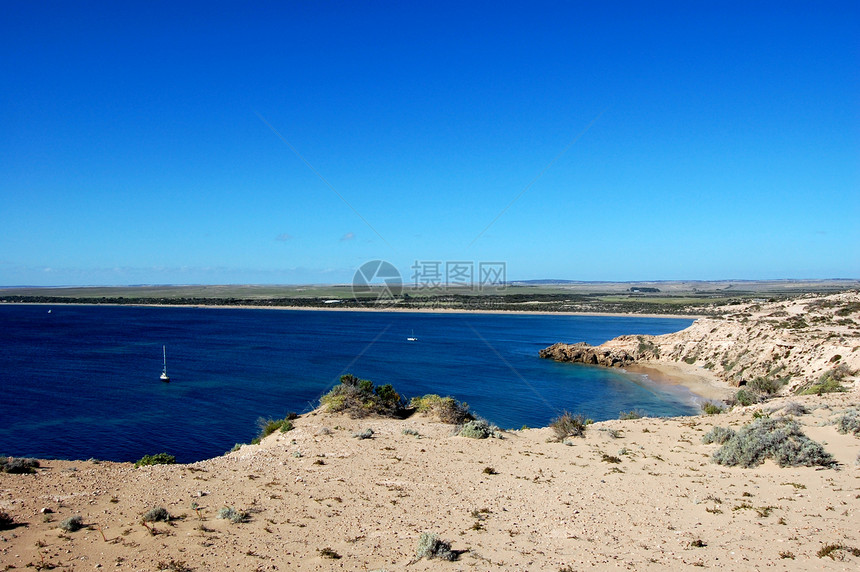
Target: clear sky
{"points": [[152, 142]]}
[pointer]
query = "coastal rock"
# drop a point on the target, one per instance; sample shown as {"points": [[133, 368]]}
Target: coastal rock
{"points": [[587, 354], [786, 343]]}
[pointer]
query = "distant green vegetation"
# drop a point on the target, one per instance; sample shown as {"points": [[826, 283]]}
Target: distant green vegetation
{"points": [[686, 298]]}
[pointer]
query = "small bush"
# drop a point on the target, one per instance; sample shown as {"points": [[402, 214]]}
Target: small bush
{"points": [[72, 524], [445, 409], [628, 415], [849, 422], [18, 465], [478, 429], [779, 439], [765, 385], [429, 546], [568, 425], [174, 566], [6, 520], [329, 553], [718, 435], [795, 409], [830, 550], [156, 514], [233, 515], [709, 408], [269, 426], [359, 398], [413, 432], [747, 397], [366, 434], [157, 459]]}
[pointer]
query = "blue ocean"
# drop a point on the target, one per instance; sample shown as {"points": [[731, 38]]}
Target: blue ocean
{"points": [[82, 382]]}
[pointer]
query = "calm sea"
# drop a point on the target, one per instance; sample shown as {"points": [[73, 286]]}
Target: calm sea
{"points": [[82, 382]]}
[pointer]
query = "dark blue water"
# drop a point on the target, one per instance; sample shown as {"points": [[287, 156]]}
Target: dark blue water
{"points": [[82, 381]]}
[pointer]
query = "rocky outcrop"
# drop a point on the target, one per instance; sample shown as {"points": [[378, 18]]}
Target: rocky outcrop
{"points": [[787, 343], [584, 353]]}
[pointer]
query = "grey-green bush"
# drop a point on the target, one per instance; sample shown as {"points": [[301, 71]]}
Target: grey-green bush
{"points": [[718, 435], [233, 515], [746, 397], [430, 546], [156, 514], [779, 439], [479, 429], [72, 524], [849, 422]]}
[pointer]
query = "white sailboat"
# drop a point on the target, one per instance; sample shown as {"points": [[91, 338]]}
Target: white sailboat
{"points": [[412, 338], [164, 377]]}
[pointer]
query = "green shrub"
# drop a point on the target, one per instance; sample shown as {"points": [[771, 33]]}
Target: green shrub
{"points": [[718, 435], [829, 382], [157, 459], [627, 415], [72, 524], [233, 515], [765, 385], [269, 426], [18, 465], [568, 425], [445, 409], [156, 514], [429, 546], [746, 397], [779, 439], [849, 422], [479, 429], [709, 408], [359, 398]]}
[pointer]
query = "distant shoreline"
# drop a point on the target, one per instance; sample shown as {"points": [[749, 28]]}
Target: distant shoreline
{"points": [[392, 310]]}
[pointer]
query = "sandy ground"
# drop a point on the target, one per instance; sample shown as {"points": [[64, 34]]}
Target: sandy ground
{"points": [[523, 502]]}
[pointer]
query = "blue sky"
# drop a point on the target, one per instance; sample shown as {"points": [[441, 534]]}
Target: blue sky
{"points": [[692, 140]]}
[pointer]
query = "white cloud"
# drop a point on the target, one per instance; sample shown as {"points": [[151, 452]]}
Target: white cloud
{"points": [[347, 236], [283, 237]]}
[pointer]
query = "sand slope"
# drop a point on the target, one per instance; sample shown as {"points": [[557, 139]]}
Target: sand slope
{"points": [[548, 507]]}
